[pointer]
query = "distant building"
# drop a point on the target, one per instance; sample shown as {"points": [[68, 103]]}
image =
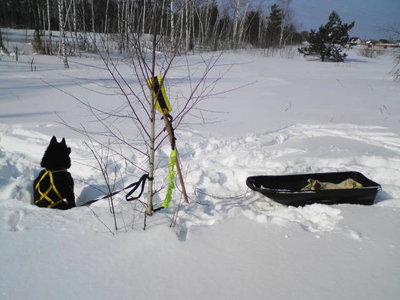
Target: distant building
{"points": [[383, 44], [356, 41]]}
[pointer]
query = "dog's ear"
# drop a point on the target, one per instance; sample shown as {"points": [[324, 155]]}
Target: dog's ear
{"points": [[64, 145], [53, 140]]}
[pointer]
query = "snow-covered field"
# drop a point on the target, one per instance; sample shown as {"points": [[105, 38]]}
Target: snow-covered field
{"points": [[291, 116]]}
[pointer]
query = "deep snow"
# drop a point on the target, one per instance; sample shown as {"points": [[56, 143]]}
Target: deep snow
{"points": [[290, 116]]}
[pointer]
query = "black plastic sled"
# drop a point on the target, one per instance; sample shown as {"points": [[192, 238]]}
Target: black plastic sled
{"points": [[294, 190]]}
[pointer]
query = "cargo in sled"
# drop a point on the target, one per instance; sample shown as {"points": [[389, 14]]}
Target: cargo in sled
{"points": [[325, 188]]}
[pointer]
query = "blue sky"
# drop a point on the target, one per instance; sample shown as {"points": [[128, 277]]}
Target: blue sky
{"points": [[372, 17]]}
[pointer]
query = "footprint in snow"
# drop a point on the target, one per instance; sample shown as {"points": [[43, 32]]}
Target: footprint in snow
{"points": [[13, 221], [355, 235]]}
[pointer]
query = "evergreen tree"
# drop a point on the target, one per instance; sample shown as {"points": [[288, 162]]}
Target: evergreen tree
{"points": [[330, 40], [253, 20], [37, 44], [274, 28]]}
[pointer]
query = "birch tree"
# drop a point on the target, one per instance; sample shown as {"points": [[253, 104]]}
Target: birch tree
{"points": [[62, 33], [235, 23], [93, 26], [243, 22], [106, 17], [286, 19], [173, 35], [48, 41], [187, 25]]}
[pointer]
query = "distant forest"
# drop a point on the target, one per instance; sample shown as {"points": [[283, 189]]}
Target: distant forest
{"points": [[194, 24]]}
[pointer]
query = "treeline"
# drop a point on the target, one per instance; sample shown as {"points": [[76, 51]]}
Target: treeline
{"points": [[190, 24]]}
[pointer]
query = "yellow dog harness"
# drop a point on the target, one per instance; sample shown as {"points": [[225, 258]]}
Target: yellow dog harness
{"points": [[52, 187]]}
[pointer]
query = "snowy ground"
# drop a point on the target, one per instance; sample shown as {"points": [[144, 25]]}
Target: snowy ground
{"points": [[291, 116]]}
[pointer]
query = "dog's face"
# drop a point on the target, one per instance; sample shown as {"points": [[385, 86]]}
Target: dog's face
{"points": [[56, 155]]}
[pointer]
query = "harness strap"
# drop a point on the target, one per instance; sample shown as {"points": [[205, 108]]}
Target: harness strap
{"points": [[160, 96], [171, 128], [133, 186], [45, 195]]}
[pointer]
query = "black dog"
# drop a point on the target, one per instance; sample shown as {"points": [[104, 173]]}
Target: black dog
{"points": [[54, 187]]}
